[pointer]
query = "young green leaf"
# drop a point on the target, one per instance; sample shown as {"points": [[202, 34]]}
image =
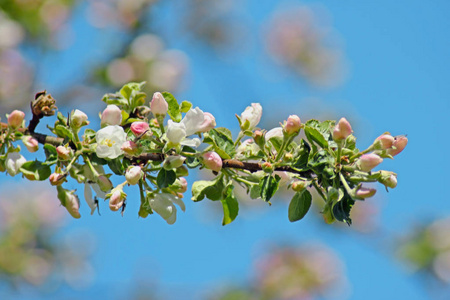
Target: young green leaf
{"points": [[299, 206], [35, 170], [165, 178], [230, 206], [314, 135], [269, 185], [174, 109], [213, 190]]}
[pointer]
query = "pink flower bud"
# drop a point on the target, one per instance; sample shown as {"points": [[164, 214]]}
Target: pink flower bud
{"points": [[212, 161], [292, 126], [180, 186], [173, 162], [57, 179], [31, 143], [104, 183], [139, 128], [389, 179], [384, 141], [73, 205], [159, 105], [342, 130], [15, 119], [364, 193], [267, 167], [130, 148], [133, 175], [398, 146], [208, 123], [78, 119], [116, 199], [298, 185], [112, 115], [369, 161], [63, 152]]}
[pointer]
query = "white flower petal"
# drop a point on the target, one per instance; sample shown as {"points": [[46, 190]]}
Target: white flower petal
{"points": [[193, 121], [88, 197], [195, 142], [109, 141], [176, 132]]}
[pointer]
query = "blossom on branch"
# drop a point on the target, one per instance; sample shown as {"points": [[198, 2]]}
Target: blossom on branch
{"points": [[109, 141]]}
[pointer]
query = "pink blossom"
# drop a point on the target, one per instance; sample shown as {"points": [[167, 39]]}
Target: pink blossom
{"points": [[159, 105], [212, 161], [399, 144], [369, 161], [112, 115], [293, 124], [342, 130], [139, 128], [15, 119]]}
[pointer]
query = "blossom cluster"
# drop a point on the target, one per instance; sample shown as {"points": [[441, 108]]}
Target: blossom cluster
{"points": [[153, 146]]}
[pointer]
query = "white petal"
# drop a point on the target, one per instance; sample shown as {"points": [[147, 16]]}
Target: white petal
{"points": [[176, 132], [195, 142], [193, 121], [88, 197]]}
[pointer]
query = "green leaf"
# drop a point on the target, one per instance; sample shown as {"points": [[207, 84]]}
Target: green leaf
{"points": [[222, 143], [230, 206], [174, 109], [35, 170], [276, 142], [191, 161], [185, 106], [341, 209], [314, 135], [301, 154], [116, 99], [64, 132], [224, 132], [269, 185], [299, 206], [165, 178], [116, 166], [213, 190], [50, 154], [322, 163]]}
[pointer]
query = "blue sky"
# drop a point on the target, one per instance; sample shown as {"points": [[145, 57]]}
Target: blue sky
{"points": [[397, 55]]}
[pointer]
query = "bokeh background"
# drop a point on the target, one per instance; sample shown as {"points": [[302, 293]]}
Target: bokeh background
{"points": [[383, 65]]}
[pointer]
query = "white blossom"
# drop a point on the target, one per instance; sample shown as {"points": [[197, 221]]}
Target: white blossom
{"points": [[274, 132], [109, 141], [14, 160], [88, 197], [252, 114], [163, 204], [192, 122]]}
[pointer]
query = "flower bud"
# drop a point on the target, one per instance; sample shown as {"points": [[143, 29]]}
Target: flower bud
{"points": [[251, 116], [342, 130], [15, 119], [258, 137], [389, 179], [398, 145], [31, 143], [182, 171], [173, 162], [368, 161], [139, 128], [363, 193], [78, 119], [116, 198], [293, 125], [63, 152], [212, 161], [130, 147], [208, 123], [384, 141], [70, 201], [104, 183], [133, 174], [159, 105], [180, 185], [267, 167], [112, 115], [14, 160], [299, 185], [57, 179]]}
